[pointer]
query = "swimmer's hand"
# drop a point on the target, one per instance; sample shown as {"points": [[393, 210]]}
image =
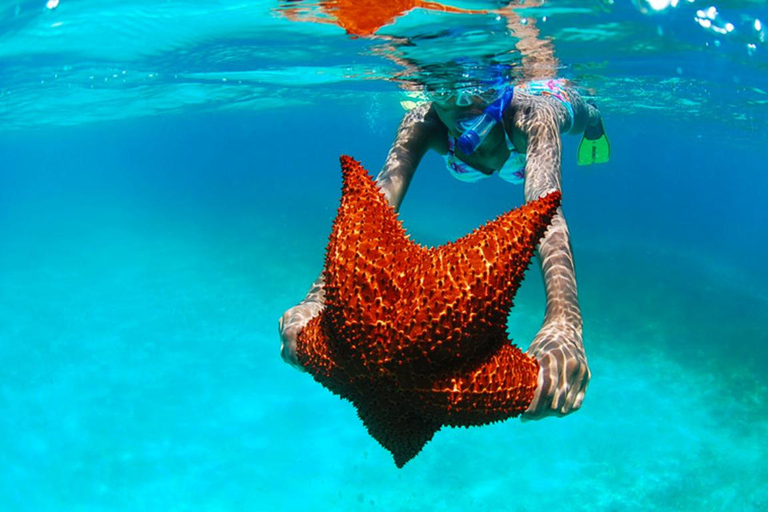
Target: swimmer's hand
{"points": [[563, 375], [291, 324]]}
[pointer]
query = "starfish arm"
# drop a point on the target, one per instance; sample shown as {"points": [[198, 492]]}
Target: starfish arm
{"points": [[389, 419], [500, 387], [495, 257], [368, 255], [462, 292], [419, 130], [395, 424]]}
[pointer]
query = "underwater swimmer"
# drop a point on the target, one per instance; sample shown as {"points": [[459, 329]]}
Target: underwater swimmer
{"points": [[513, 133]]}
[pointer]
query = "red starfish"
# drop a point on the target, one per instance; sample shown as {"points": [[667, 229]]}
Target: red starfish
{"points": [[415, 337]]}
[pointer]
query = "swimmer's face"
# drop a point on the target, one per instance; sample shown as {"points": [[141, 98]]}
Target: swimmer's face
{"points": [[458, 107], [456, 114]]}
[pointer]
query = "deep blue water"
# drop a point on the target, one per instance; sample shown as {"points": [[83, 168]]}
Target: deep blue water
{"points": [[145, 259]]}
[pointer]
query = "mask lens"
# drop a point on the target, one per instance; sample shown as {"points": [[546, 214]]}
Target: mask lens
{"points": [[462, 96], [441, 95], [488, 96]]}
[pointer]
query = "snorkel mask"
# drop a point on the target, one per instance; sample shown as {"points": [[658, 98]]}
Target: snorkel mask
{"points": [[476, 84], [477, 130], [463, 96]]}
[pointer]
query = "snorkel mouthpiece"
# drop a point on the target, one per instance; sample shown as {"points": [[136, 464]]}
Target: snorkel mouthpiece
{"points": [[473, 136], [471, 139]]}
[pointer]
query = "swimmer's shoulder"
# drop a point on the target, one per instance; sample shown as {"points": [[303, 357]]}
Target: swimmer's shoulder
{"points": [[423, 124]]}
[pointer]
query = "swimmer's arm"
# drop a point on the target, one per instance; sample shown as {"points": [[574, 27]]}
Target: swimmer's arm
{"points": [[419, 131], [558, 346]]}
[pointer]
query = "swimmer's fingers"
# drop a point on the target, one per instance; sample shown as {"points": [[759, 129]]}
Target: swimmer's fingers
{"points": [[568, 368], [562, 383], [539, 396], [288, 336], [578, 399], [291, 324], [542, 404], [578, 386]]}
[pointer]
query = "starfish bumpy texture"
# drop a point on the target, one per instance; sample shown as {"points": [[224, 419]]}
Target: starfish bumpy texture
{"points": [[415, 337]]}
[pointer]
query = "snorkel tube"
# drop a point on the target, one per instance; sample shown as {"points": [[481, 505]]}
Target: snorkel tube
{"points": [[471, 139]]}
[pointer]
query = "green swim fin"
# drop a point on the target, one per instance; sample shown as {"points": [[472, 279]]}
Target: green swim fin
{"points": [[594, 147]]}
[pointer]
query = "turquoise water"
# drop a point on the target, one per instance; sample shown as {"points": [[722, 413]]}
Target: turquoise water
{"points": [[168, 179]]}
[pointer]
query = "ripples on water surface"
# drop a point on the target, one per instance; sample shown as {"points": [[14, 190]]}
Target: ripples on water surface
{"points": [[89, 61]]}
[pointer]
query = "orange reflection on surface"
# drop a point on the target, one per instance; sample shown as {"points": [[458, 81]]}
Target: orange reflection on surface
{"points": [[365, 17], [538, 53]]}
